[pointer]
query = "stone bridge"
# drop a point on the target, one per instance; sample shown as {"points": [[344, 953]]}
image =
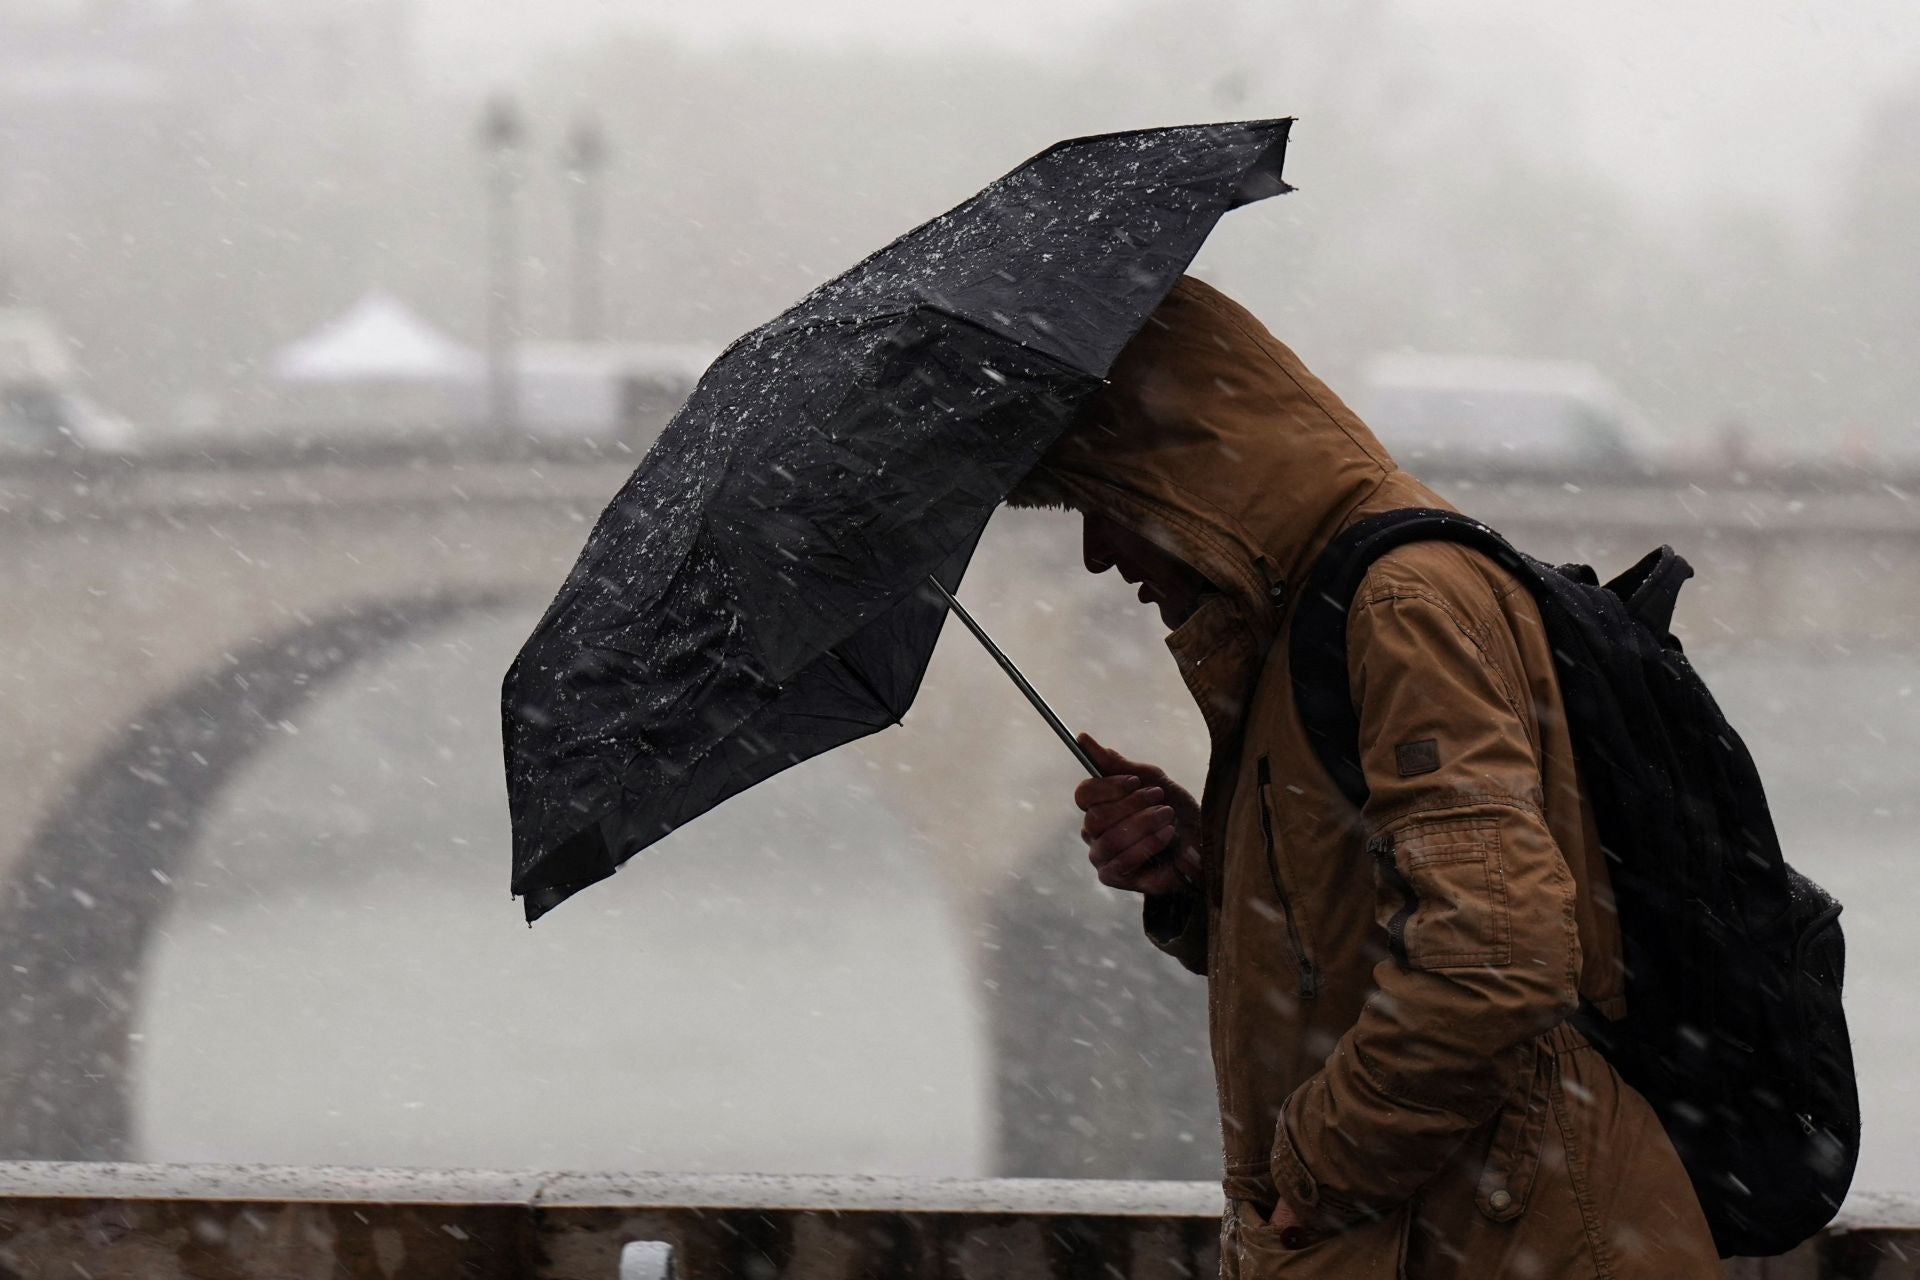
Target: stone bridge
{"points": [[161, 622]]}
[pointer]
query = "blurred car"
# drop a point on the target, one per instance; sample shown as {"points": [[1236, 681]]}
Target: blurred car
{"points": [[41, 411], [1497, 416]]}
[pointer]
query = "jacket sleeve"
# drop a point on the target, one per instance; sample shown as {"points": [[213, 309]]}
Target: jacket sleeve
{"points": [[1474, 898], [1177, 924]]}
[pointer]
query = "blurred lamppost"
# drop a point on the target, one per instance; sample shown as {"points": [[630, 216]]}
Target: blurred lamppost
{"points": [[502, 133], [8, 287], [585, 159]]}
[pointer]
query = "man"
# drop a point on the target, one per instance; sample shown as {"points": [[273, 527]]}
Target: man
{"points": [[1400, 1093]]}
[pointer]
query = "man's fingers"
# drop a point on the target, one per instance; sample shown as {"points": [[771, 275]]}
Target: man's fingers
{"points": [[1123, 835], [1122, 870], [1103, 816], [1127, 821], [1095, 791], [1120, 835]]}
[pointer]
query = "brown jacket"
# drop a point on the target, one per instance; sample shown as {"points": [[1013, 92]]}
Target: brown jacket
{"points": [[1386, 989]]}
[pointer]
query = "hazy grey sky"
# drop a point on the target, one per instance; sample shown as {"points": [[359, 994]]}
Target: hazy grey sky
{"points": [[1681, 99]]}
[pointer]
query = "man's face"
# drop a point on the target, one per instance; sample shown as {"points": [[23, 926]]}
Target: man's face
{"points": [[1165, 580]]}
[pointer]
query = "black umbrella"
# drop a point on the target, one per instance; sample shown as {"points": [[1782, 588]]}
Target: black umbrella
{"points": [[758, 591]]}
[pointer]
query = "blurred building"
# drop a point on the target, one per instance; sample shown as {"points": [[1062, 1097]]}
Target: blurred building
{"points": [[164, 162], [60, 58], [86, 84], [606, 390], [1497, 416]]}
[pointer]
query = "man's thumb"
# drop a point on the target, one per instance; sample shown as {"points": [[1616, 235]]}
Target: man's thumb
{"points": [[1109, 760]]}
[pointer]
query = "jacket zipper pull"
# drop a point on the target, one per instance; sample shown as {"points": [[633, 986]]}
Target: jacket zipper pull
{"points": [[1309, 977]]}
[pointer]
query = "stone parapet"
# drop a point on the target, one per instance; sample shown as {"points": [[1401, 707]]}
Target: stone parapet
{"points": [[158, 1222]]}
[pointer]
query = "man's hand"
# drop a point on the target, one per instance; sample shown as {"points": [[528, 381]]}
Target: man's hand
{"points": [[1133, 814], [1293, 1232]]}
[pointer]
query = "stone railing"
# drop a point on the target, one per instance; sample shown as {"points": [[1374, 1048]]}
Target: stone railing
{"points": [[157, 1222]]}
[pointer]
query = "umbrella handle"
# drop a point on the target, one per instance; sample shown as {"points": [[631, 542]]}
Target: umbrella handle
{"points": [[1013, 672]]}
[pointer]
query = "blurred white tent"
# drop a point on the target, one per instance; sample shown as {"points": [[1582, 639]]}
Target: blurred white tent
{"points": [[379, 369], [378, 340]]}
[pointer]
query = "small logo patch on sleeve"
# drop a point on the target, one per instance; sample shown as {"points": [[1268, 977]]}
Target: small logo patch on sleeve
{"points": [[1417, 757]]}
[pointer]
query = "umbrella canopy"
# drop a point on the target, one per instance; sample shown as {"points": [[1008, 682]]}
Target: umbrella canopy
{"points": [[756, 593]]}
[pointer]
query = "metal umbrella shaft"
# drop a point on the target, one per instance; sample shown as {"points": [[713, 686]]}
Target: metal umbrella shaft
{"points": [[1013, 672], [1166, 857]]}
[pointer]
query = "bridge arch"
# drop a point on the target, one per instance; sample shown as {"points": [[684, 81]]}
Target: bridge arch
{"points": [[80, 908]]}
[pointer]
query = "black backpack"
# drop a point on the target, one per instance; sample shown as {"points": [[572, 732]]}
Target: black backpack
{"points": [[1734, 1031]]}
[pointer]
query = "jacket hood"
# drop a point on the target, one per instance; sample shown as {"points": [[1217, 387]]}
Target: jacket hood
{"points": [[1212, 439]]}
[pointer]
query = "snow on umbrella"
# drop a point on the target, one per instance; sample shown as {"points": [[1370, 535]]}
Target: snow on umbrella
{"points": [[757, 592]]}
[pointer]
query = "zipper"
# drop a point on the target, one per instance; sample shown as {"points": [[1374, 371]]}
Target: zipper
{"points": [[1309, 976], [1381, 847]]}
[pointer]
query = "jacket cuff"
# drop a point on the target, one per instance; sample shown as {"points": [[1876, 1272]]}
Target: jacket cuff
{"points": [[1166, 917], [1177, 924], [1322, 1211]]}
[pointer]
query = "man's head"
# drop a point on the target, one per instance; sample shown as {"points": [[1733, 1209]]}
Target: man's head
{"points": [[1165, 579], [1209, 466]]}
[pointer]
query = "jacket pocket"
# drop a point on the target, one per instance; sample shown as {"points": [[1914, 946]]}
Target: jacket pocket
{"points": [[1519, 1129], [1374, 1250], [1442, 894], [1309, 976]]}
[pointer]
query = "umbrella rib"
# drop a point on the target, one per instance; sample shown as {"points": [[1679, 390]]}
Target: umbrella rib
{"points": [[977, 326], [827, 717], [860, 678]]}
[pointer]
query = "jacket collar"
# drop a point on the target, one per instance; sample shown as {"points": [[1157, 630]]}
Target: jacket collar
{"points": [[1218, 655]]}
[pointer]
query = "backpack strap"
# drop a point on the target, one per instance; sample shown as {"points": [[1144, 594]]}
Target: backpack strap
{"points": [[1322, 692]]}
